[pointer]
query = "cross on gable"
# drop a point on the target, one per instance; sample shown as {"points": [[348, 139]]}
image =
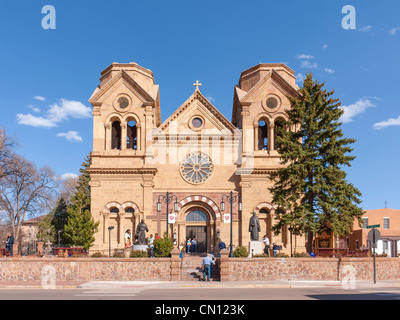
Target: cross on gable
{"points": [[197, 84]]}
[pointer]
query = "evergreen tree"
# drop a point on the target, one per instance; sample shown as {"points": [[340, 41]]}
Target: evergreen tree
{"points": [[46, 231], [60, 218], [312, 187], [80, 229]]}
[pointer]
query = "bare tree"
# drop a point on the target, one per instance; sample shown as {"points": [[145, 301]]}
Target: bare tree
{"points": [[26, 191], [68, 187], [6, 143]]}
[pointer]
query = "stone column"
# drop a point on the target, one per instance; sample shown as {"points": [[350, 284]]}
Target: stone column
{"points": [[107, 127], [271, 138], [122, 228], [123, 136], [106, 220], [224, 265], [175, 265]]}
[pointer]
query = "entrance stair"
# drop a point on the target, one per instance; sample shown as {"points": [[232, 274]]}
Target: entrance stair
{"points": [[192, 268]]}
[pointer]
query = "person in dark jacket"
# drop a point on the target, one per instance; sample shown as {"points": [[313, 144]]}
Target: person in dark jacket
{"points": [[10, 244]]}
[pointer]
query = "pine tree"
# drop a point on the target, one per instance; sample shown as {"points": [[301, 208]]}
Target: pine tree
{"points": [[60, 218], [312, 187], [81, 226], [80, 229]]}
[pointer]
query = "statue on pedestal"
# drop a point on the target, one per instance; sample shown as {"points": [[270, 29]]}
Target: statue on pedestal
{"points": [[141, 232], [254, 227]]}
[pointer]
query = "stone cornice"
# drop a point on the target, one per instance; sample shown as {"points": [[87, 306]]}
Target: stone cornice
{"points": [[138, 171]]}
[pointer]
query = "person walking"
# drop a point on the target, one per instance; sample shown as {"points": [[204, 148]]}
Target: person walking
{"points": [[274, 249], [265, 240], [194, 245], [10, 244], [207, 262], [151, 245], [221, 246]]}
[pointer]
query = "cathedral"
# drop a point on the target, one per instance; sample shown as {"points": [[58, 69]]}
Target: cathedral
{"points": [[195, 175]]}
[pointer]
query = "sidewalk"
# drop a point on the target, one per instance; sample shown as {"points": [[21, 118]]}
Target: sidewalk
{"points": [[194, 284]]}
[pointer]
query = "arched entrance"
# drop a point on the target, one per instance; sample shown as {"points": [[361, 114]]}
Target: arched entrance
{"points": [[196, 219], [196, 228]]}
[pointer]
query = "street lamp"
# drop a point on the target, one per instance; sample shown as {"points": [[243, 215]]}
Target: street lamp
{"points": [[231, 198], [167, 199], [109, 240], [59, 238]]}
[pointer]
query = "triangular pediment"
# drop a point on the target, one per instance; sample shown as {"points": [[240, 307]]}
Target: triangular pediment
{"points": [[274, 78], [214, 122], [135, 88]]}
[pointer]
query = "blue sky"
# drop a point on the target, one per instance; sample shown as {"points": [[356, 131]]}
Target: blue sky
{"points": [[47, 76]]}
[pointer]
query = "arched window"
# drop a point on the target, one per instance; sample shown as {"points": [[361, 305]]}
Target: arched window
{"points": [[131, 135], [278, 125], [262, 135], [130, 210], [114, 210], [196, 215], [265, 211], [116, 135]]}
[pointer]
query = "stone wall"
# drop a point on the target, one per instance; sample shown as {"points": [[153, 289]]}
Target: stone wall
{"points": [[87, 269], [168, 269], [307, 269]]}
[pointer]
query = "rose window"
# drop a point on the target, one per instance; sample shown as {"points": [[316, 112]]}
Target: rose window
{"points": [[197, 167]]}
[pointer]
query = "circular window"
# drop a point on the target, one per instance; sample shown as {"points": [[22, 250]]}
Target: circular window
{"points": [[272, 102], [123, 102], [197, 167], [197, 123]]}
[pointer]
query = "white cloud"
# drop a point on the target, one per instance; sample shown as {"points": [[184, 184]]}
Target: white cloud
{"points": [[211, 99], [308, 64], [330, 71], [40, 98], [387, 123], [365, 29], [68, 175], [30, 120], [72, 136], [305, 56], [325, 46], [300, 78], [355, 109], [33, 108], [393, 31], [58, 112]]}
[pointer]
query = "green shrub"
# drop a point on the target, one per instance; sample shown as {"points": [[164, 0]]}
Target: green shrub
{"points": [[97, 255], [118, 254], [301, 255], [138, 254], [163, 247], [281, 255], [240, 252]]}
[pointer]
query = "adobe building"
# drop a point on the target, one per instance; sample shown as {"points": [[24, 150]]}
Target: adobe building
{"points": [[196, 155], [389, 228]]}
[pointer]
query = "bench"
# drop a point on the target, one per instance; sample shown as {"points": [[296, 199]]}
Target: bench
{"points": [[332, 252], [359, 253], [72, 251]]}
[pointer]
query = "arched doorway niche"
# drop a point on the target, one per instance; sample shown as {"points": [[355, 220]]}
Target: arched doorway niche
{"points": [[197, 219]]}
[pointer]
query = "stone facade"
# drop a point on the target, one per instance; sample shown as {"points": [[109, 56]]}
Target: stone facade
{"points": [[137, 159]]}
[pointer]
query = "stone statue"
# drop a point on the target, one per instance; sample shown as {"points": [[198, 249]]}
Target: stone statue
{"points": [[254, 227], [141, 232]]}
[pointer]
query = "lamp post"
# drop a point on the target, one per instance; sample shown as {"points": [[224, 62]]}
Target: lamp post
{"points": [[291, 243], [167, 199], [59, 238], [231, 198], [109, 240]]}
